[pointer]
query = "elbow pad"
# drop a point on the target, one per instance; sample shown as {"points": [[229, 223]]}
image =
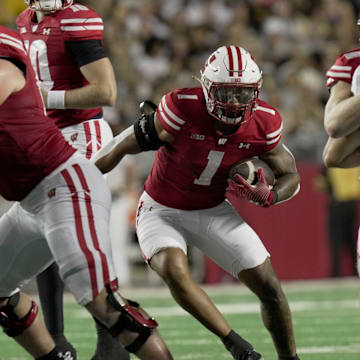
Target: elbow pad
{"points": [[145, 131]]}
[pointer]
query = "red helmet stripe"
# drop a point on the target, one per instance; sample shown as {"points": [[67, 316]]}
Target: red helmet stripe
{"points": [[238, 52], [231, 61]]}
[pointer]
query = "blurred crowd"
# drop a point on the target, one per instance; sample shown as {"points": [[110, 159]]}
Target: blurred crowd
{"points": [[159, 45]]}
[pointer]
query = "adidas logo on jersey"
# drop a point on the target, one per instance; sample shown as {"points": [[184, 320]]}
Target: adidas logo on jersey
{"points": [[222, 141]]}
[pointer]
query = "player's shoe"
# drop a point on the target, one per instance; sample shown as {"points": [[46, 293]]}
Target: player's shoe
{"points": [[66, 350], [250, 355]]}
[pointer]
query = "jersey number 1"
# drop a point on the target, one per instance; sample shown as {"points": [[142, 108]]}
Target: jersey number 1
{"points": [[214, 161]]}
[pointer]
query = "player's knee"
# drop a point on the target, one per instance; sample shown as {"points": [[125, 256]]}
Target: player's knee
{"points": [[9, 321], [130, 319]]}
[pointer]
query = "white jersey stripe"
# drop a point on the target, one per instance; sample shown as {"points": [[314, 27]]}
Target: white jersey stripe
{"points": [[343, 68], [82, 28], [77, 21], [338, 74], [275, 133], [6, 36], [166, 119], [13, 44], [262, 108], [352, 55], [170, 113], [273, 140]]}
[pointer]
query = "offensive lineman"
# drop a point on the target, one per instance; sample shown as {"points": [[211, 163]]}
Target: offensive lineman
{"points": [[201, 133], [62, 213], [341, 118], [64, 40]]}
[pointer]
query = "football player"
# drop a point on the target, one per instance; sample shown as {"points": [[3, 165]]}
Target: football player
{"points": [[64, 41], [62, 214], [341, 118], [200, 133]]}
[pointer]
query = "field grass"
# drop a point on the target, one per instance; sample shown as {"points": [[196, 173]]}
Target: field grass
{"points": [[326, 316]]}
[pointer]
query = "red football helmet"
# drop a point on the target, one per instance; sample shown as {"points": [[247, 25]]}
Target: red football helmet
{"points": [[231, 82], [48, 5]]}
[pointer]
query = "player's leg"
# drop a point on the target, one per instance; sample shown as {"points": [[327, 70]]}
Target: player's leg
{"points": [[171, 264], [274, 307], [130, 324], [23, 254], [89, 137], [78, 235], [234, 246], [20, 320], [51, 289], [161, 238]]}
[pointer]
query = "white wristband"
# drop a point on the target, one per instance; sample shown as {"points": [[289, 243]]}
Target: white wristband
{"points": [[56, 99]]}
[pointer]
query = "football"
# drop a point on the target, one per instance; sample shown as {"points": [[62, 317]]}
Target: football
{"points": [[248, 169]]}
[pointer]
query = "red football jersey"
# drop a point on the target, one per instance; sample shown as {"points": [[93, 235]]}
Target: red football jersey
{"points": [[344, 67], [54, 66], [191, 173], [31, 146]]}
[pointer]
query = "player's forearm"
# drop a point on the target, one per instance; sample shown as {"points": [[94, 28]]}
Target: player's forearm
{"points": [[343, 118], [112, 153], [287, 186], [86, 97], [90, 96]]}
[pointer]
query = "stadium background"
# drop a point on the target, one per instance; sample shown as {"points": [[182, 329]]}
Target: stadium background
{"points": [[159, 45]]}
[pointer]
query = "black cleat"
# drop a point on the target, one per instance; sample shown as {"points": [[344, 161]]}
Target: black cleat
{"points": [[250, 355], [66, 350]]}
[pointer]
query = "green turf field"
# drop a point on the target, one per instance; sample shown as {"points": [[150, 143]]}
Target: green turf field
{"points": [[326, 317]]}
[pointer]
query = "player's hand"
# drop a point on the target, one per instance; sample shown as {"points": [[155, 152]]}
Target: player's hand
{"points": [[259, 194]]}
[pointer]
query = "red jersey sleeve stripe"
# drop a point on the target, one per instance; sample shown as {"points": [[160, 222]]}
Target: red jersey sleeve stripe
{"points": [[170, 113], [265, 109], [338, 74], [81, 21], [273, 141], [340, 67], [168, 116], [82, 28], [9, 40], [275, 133]]}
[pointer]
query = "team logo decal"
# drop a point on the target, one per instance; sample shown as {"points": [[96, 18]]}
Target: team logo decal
{"points": [[52, 193]]}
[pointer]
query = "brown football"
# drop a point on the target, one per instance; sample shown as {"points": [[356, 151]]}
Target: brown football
{"points": [[248, 170]]}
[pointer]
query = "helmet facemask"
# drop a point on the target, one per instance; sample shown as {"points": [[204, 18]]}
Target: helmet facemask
{"points": [[48, 5], [230, 90]]}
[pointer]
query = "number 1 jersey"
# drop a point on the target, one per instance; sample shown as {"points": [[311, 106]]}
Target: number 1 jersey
{"points": [[191, 172], [53, 65]]}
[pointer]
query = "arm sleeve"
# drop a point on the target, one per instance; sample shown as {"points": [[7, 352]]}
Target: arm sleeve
{"points": [[86, 51]]}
